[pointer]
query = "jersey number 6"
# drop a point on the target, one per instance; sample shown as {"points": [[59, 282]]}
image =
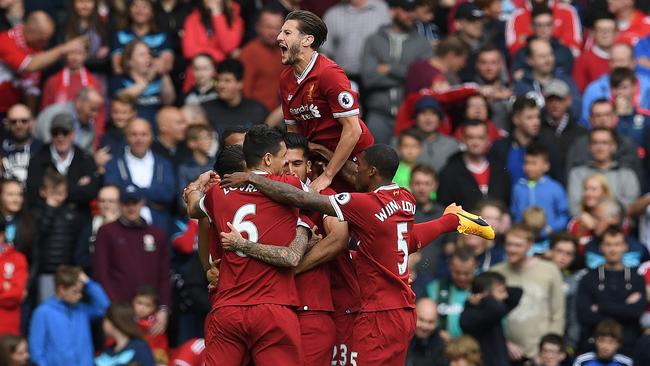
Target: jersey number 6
{"points": [[244, 226]]}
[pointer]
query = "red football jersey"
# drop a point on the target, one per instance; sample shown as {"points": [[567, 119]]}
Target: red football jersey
{"points": [[382, 221], [319, 96], [244, 280], [189, 353], [344, 284], [15, 55]]}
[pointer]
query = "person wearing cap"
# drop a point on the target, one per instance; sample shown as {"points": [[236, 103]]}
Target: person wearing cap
{"points": [[386, 57], [84, 111], [63, 155], [129, 253], [559, 127], [469, 22], [436, 148]]}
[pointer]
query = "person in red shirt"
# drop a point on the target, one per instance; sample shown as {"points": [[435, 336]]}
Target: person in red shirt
{"points": [[632, 24], [21, 57], [13, 282], [190, 353], [382, 220], [317, 98], [594, 62], [252, 316], [145, 304]]}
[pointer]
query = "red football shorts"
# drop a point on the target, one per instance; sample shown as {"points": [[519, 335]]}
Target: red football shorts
{"points": [[267, 333], [318, 333], [382, 337], [343, 347]]}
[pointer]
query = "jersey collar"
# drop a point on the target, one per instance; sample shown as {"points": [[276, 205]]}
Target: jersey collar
{"points": [[307, 69], [387, 187]]}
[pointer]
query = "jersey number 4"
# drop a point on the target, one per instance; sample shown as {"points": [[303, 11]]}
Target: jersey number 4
{"points": [[245, 226]]}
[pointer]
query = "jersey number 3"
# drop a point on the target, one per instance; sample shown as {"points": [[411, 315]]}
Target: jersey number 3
{"points": [[244, 226], [402, 246]]}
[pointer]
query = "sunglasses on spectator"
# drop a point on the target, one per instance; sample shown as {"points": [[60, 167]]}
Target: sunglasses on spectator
{"points": [[59, 131], [15, 121]]}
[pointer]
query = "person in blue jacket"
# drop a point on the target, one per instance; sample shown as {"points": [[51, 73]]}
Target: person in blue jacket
{"points": [[154, 175], [540, 190], [59, 334]]}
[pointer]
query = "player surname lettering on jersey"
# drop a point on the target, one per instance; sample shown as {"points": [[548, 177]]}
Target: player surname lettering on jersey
{"points": [[249, 188], [392, 207]]}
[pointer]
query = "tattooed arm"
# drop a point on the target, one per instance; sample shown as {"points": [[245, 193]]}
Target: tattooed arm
{"points": [[275, 255], [329, 247]]}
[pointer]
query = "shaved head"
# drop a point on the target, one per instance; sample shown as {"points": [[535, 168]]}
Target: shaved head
{"points": [[39, 28]]}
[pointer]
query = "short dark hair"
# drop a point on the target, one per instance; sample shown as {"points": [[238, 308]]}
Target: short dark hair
{"points": [[268, 9], [412, 133], [609, 328], [66, 276], [424, 169], [552, 338], [564, 236], [230, 160], [472, 122], [260, 140], [612, 230], [310, 24], [609, 131], [53, 178], [491, 202], [540, 9], [231, 131], [231, 66], [488, 47], [297, 141], [529, 44], [452, 44], [523, 102], [192, 132], [537, 149], [621, 74], [463, 254], [384, 158], [150, 292], [486, 281], [599, 101]]}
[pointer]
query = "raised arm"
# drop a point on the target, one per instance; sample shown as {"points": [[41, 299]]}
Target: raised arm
{"points": [[279, 256]]}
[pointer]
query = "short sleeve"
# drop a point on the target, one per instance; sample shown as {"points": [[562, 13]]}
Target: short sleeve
{"points": [[11, 55], [206, 203], [342, 100], [350, 207]]}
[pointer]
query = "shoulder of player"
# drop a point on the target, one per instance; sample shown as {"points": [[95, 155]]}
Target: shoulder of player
{"points": [[326, 66]]}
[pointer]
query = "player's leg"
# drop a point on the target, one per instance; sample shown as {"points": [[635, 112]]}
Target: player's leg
{"points": [[275, 335], [382, 337], [225, 337], [344, 324], [317, 335]]}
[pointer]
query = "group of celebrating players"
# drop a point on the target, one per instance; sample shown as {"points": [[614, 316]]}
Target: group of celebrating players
{"points": [[308, 234]]}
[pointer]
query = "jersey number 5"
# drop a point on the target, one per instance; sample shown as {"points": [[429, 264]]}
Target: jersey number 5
{"points": [[244, 226], [402, 246]]}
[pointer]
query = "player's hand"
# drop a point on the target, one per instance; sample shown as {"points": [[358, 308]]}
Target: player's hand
{"points": [[315, 237], [232, 240], [322, 182], [452, 209], [633, 298], [212, 274], [515, 352], [234, 180], [383, 69], [160, 325]]}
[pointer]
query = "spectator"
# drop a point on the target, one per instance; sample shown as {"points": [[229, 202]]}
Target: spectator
{"points": [[642, 55], [538, 189], [385, 60], [497, 214], [151, 173], [18, 220], [594, 62], [170, 143], [477, 107], [232, 108], [559, 127], [492, 77], [83, 111], [60, 328], [425, 22], [141, 26], [123, 111], [469, 176], [542, 20], [437, 148], [602, 115], [592, 219], [65, 85], [469, 22], [108, 206], [261, 59], [139, 256], [145, 303], [487, 253], [233, 136], [608, 339], [612, 290], [487, 306], [543, 69], [84, 19], [622, 181], [440, 72], [631, 122], [12, 13], [464, 351], [543, 301], [14, 284], [427, 347], [13, 350], [68, 159], [534, 219], [566, 26], [205, 74], [359, 17], [18, 145], [551, 351], [642, 350], [214, 28], [199, 141], [450, 292], [632, 24], [22, 57], [142, 79], [409, 147], [170, 18], [129, 347]]}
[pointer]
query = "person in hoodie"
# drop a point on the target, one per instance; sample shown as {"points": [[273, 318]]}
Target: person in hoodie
{"points": [[60, 329], [484, 311]]}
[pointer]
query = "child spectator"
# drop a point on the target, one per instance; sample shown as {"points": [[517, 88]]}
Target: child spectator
{"points": [[13, 351], [199, 141], [608, 338], [129, 347], [484, 311], [145, 304], [535, 220], [463, 351], [59, 333], [538, 189], [551, 351], [409, 145], [13, 276]]}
